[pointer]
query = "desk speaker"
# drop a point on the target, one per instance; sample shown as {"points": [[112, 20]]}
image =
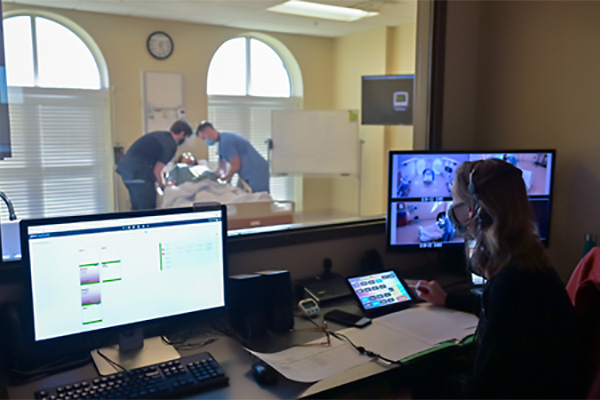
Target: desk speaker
{"points": [[278, 299], [247, 306]]}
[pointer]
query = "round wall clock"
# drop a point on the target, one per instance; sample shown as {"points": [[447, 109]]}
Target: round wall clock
{"points": [[160, 45]]}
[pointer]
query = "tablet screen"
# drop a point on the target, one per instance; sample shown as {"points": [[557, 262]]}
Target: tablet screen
{"points": [[380, 291]]}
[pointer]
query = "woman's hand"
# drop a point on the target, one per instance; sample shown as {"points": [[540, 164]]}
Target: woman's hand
{"points": [[432, 292]]}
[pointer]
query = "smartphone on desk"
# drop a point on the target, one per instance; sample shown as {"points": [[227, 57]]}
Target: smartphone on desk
{"points": [[347, 319]]}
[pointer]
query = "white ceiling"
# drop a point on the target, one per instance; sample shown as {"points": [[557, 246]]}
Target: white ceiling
{"points": [[247, 14]]}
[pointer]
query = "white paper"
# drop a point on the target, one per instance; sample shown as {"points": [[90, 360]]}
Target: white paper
{"points": [[311, 364], [394, 336], [431, 324]]}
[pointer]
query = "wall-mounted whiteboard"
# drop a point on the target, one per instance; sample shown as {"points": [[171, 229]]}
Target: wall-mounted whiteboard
{"points": [[315, 142], [163, 99]]}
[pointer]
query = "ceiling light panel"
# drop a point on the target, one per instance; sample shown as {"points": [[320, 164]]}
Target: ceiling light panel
{"points": [[323, 11]]}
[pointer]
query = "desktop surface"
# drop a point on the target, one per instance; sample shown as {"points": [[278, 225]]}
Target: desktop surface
{"points": [[370, 377]]}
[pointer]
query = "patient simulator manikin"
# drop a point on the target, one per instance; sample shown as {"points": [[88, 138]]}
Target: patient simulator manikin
{"points": [[192, 181]]}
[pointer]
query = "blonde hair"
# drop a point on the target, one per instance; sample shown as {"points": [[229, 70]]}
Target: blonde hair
{"points": [[503, 226]]}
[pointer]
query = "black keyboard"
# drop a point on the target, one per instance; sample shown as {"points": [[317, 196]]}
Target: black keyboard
{"points": [[185, 375]]}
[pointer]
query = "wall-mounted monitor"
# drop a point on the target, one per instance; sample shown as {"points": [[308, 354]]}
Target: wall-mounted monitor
{"points": [[419, 184], [387, 99]]}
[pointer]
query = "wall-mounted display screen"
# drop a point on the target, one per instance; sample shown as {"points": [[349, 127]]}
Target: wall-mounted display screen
{"points": [[387, 100], [419, 185]]}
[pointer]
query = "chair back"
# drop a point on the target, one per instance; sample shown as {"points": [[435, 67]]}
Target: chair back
{"points": [[584, 290]]}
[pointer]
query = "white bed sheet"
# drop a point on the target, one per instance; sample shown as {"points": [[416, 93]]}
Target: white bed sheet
{"points": [[207, 190]]}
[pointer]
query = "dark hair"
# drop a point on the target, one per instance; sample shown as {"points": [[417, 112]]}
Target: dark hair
{"points": [[203, 125], [503, 224], [181, 125]]}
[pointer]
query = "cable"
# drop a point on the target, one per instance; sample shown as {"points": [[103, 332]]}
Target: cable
{"points": [[182, 344], [364, 351], [62, 363], [118, 367]]}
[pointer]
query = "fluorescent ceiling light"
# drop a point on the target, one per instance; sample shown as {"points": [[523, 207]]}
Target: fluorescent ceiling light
{"points": [[324, 11]]}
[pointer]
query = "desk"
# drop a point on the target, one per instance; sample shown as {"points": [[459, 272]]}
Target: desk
{"points": [[236, 362]]}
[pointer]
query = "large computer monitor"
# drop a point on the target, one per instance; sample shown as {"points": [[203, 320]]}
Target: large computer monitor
{"points": [[419, 184], [104, 274]]}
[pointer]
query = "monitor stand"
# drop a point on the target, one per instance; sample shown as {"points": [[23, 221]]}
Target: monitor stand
{"points": [[133, 351]]}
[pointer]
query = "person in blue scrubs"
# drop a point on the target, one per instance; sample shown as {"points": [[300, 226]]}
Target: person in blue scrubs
{"points": [[242, 157]]}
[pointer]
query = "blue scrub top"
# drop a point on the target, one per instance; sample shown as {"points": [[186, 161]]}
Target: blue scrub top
{"points": [[254, 169]]}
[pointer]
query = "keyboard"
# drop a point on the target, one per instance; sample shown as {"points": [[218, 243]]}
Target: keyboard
{"points": [[190, 374]]}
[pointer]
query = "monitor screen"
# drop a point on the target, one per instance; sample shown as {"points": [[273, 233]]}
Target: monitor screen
{"points": [[419, 184], [92, 273], [387, 100]]}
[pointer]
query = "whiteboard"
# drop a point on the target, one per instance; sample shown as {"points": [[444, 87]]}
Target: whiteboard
{"points": [[163, 100], [315, 142]]}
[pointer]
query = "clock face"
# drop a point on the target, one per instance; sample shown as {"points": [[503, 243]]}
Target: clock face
{"points": [[160, 45]]}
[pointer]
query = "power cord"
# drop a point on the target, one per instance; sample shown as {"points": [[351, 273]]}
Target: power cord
{"points": [[364, 351], [360, 349]]}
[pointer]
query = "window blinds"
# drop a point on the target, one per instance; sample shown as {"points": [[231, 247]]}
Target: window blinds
{"points": [[62, 162]]}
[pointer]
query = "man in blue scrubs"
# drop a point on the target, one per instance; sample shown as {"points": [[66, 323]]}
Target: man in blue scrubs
{"points": [[141, 168], [241, 156]]}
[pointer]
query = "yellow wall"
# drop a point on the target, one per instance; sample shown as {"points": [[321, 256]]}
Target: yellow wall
{"points": [[402, 50], [525, 75], [377, 52]]}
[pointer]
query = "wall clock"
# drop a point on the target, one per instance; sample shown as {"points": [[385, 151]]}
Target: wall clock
{"points": [[160, 45]]}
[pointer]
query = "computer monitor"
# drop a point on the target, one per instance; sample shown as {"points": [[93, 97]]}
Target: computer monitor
{"points": [[387, 99], [419, 184], [108, 273]]}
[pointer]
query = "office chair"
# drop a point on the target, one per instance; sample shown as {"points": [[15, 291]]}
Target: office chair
{"points": [[584, 290]]}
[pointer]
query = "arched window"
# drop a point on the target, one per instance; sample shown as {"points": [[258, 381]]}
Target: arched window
{"points": [[58, 104], [248, 67], [248, 77]]}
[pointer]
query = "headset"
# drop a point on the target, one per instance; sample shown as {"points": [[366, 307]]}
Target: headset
{"points": [[484, 217]]}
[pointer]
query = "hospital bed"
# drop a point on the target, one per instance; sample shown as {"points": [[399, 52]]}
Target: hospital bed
{"points": [[245, 209]]}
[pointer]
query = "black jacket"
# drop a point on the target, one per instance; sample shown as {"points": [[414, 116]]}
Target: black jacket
{"points": [[529, 344]]}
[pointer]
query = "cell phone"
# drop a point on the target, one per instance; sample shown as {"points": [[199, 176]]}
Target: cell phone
{"points": [[347, 319]]}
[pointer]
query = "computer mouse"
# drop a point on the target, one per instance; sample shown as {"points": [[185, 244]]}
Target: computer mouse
{"points": [[263, 373]]}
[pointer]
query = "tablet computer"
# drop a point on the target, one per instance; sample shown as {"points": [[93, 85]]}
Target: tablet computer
{"points": [[380, 293]]}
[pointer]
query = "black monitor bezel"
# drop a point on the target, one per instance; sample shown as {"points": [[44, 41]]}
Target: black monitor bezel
{"points": [[458, 245], [92, 339]]}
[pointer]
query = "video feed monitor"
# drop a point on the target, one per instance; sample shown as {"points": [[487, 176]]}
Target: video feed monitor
{"points": [[380, 293], [419, 193], [102, 271]]}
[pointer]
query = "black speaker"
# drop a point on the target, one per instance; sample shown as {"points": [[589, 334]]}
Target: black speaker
{"points": [[279, 299], [246, 304]]}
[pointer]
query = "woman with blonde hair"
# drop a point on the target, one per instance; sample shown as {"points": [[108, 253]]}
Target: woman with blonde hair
{"points": [[527, 340]]}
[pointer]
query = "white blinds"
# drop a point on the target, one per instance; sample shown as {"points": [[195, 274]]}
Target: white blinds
{"points": [[251, 117], [62, 162]]}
